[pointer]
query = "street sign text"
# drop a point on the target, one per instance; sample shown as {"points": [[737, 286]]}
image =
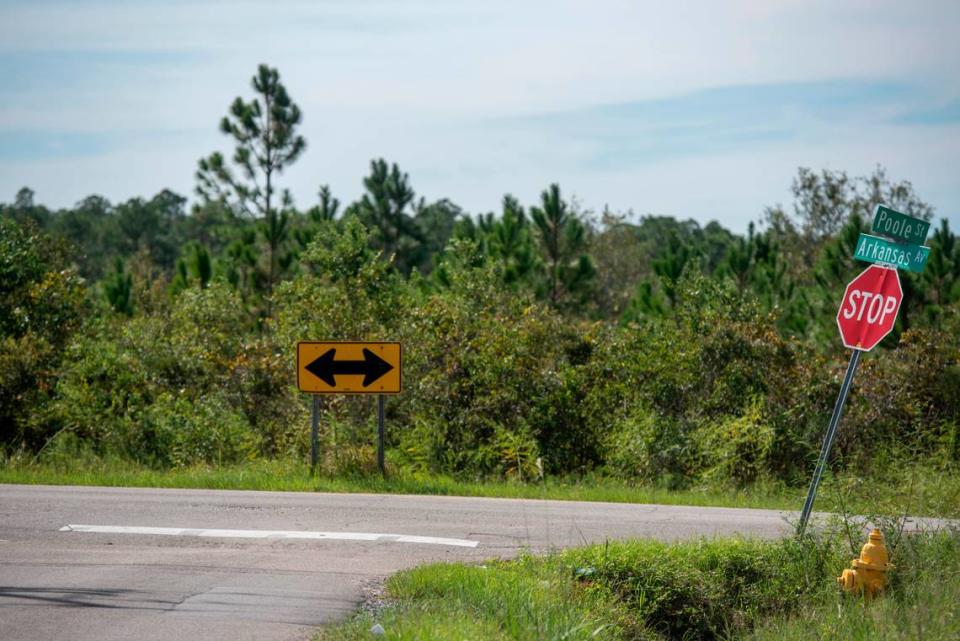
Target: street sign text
{"points": [[894, 224], [874, 249]]}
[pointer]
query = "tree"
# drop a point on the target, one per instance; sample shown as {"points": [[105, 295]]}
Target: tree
{"points": [[265, 132], [24, 208], [42, 302], [384, 209], [317, 218], [153, 225], [823, 204], [118, 289], [942, 273], [738, 260], [87, 228], [194, 267], [563, 241], [435, 223], [326, 210], [511, 242], [670, 265]]}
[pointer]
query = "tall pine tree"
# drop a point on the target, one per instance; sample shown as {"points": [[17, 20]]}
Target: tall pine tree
{"points": [[265, 133]]}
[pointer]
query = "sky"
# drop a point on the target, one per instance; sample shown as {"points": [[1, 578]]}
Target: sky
{"points": [[700, 110]]}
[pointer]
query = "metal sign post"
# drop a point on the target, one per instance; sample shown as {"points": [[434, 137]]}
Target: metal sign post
{"points": [[828, 441], [866, 316], [315, 434], [380, 412]]}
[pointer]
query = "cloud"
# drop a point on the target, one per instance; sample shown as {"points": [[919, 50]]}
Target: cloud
{"points": [[944, 114], [33, 145], [624, 102], [714, 120]]}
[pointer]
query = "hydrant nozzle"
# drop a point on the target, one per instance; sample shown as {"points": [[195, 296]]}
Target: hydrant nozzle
{"points": [[868, 575]]}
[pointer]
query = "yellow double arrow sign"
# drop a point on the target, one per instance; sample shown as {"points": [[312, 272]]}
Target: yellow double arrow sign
{"points": [[334, 367]]}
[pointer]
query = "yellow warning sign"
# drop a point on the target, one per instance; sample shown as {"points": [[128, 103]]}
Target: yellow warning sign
{"points": [[334, 367]]}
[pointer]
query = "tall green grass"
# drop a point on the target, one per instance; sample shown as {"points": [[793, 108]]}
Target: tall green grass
{"points": [[288, 475], [923, 602], [920, 491], [706, 590]]}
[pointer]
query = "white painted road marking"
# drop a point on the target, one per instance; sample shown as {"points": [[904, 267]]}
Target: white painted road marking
{"points": [[269, 534]]}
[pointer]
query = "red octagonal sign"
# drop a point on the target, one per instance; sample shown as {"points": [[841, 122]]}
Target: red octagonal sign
{"points": [[869, 308]]}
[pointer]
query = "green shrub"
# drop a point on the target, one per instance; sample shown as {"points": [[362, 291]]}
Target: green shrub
{"points": [[648, 447], [737, 447], [706, 589], [42, 302], [181, 431], [493, 382]]}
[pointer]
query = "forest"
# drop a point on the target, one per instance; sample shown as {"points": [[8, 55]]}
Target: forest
{"points": [[543, 339]]}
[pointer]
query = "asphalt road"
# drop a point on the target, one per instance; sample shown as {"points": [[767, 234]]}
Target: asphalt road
{"points": [[150, 564]]}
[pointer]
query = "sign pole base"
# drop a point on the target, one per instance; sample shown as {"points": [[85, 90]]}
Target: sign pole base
{"points": [[828, 442]]}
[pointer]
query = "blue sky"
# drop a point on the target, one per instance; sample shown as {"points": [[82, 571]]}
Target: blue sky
{"points": [[690, 109]]}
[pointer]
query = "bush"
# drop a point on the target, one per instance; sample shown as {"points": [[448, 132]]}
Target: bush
{"points": [[42, 302], [705, 589], [737, 447], [650, 448], [494, 382], [179, 431], [180, 386]]}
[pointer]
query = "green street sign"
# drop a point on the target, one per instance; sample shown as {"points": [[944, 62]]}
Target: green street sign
{"points": [[874, 249], [892, 223]]}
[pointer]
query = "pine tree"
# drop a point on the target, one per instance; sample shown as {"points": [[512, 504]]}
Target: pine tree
{"points": [[385, 208], [511, 242], [671, 263], [563, 240], [118, 289], [942, 272], [265, 133]]}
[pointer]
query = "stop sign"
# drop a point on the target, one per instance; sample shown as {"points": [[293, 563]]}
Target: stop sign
{"points": [[869, 308]]}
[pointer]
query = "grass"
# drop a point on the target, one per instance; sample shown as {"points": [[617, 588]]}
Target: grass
{"points": [[931, 493], [701, 590], [924, 602], [928, 612], [642, 590], [293, 476]]}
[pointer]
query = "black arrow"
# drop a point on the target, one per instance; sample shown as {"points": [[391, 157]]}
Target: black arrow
{"points": [[372, 367]]}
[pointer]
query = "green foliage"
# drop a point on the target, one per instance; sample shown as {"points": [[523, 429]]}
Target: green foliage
{"points": [[42, 303], [267, 142], [194, 268], [118, 289], [921, 603], [495, 392], [177, 387], [701, 590], [538, 342], [738, 448], [671, 265], [183, 431], [520, 600], [385, 207], [563, 239]]}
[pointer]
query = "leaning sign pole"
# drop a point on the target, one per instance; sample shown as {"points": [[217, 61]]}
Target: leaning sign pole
{"points": [[869, 310]]}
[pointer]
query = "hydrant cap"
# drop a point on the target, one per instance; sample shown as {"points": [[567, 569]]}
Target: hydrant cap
{"points": [[873, 555]]}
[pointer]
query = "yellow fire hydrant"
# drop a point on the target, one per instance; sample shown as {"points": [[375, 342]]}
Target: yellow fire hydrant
{"points": [[869, 573]]}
